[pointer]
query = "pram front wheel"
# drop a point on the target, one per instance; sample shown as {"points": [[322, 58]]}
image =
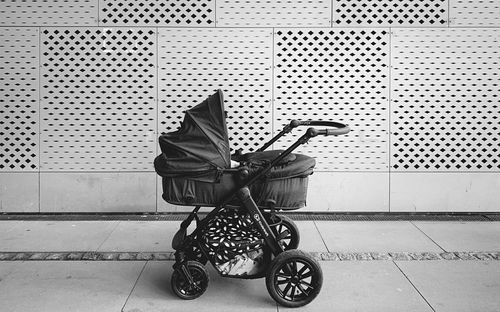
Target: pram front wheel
{"points": [[181, 285], [287, 233], [294, 278]]}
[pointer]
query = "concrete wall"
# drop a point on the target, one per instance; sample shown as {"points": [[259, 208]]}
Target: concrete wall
{"points": [[87, 86]]}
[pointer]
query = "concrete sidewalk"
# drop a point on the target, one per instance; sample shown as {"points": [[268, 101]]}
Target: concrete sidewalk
{"points": [[367, 266]]}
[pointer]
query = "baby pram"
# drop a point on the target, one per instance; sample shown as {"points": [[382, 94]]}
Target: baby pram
{"points": [[243, 236]]}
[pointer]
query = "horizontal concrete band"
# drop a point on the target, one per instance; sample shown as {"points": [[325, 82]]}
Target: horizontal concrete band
{"points": [[311, 216], [321, 256]]}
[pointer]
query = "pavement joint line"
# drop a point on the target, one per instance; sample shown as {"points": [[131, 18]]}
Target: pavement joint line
{"points": [[321, 256], [135, 284], [413, 285], [320, 235], [411, 222]]}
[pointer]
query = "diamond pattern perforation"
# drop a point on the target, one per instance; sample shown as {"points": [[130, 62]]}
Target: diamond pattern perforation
{"points": [[390, 13], [335, 75], [53, 12], [19, 99], [196, 62], [474, 13], [445, 110], [157, 12], [98, 98], [284, 13]]}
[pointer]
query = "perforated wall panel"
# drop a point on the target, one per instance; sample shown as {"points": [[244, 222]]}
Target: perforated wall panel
{"points": [[284, 13], [474, 12], [390, 13], [53, 12], [338, 75], [98, 98], [191, 13], [19, 99], [445, 93], [195, 62]]}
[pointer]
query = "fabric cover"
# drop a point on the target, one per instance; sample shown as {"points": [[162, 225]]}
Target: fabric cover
{"points": [[233, 243], [191, 192], [200, 147]]}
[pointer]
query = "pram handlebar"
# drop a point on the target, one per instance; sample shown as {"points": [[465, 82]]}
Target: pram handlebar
{"points": [[339, 129]]}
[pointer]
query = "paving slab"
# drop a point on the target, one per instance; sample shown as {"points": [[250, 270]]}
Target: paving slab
{"points": [[6, 267], [7, 226], [68, 286], [365, 286], [463, 236], [384, 236], [153, 293], [457, 285], [56, 235], [141, 236], [310, 239]]}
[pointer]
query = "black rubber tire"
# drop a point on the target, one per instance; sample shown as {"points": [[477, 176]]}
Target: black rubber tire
{"points": [[294, 278], [288, 228], [181, 287]]}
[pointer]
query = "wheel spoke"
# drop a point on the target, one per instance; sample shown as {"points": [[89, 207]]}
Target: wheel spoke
{"points": [[294, 267], [306, 275], [286, 289], [283, 275], [292, 295], [306, 284], [282, 282], [302, 270], [302, 290], [280, 227], [287, 269]]}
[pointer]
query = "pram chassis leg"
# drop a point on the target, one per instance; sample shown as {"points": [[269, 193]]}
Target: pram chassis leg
{"points": [[246, 199]]}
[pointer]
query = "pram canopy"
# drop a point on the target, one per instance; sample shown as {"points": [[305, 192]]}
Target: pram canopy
{"points": [[200, 147]]}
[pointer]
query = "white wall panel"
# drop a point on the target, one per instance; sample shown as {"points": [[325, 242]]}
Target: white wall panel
{"points": [[196, 62], [19, 108], [19, 192], [98, 192], [170, 13], [469, 13], [53, 12], [445, 100], [348, 191], [278, 13], [335, 75], [370, 13], [445, 192], [98, 109]]}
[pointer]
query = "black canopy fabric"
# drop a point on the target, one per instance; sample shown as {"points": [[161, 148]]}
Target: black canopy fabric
{"points": [[200, 147]]}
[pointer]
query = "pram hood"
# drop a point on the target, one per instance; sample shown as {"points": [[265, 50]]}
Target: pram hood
{"points": [[200, 147]]}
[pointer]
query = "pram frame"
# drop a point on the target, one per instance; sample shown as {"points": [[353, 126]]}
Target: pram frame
{"points": [[244, 195]]}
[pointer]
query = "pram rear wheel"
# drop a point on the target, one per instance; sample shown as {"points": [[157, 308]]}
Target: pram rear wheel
{"points": [[294, 279], [287, 233], [181, 286]]}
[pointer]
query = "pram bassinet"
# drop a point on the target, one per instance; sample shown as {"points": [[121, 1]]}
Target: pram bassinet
{"points": [[195, 164]]}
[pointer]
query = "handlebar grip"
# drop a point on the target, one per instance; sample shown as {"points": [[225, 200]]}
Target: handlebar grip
{"points": [[340, 131], [326, 132]]}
